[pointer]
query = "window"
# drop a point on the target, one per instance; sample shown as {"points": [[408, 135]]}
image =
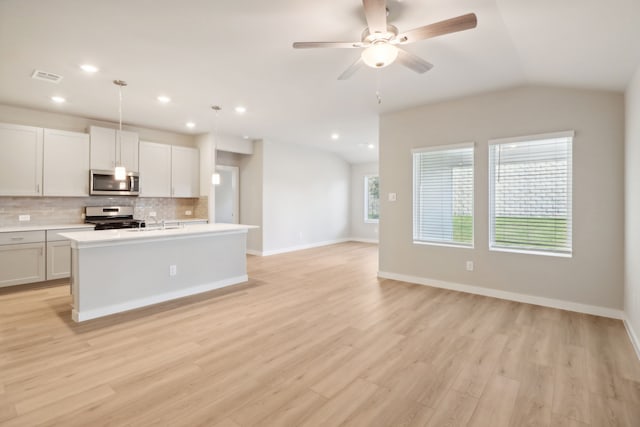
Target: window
{"points": [[371, 198], [530, 194], [443, 195]]}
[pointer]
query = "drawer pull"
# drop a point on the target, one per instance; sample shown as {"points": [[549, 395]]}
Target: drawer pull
{"points": [[17, 238]]}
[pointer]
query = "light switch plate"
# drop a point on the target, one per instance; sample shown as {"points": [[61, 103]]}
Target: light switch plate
{"points": [[392, 197], [24, 217], [188, 213], [152, 214]]}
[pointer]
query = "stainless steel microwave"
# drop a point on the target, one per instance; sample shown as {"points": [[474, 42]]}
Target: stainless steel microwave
{"points": [[104, 183]]}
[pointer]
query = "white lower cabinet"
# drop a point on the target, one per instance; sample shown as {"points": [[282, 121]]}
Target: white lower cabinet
{"points": [[22, 258], [58, 260], [35, 256], [59, 253]]}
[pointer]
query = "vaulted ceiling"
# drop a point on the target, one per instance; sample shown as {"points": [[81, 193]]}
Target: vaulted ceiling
{"points": [[231, 53]]}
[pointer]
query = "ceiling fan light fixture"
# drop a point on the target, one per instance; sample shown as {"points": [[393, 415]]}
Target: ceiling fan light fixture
{"points": [[379, 55]]}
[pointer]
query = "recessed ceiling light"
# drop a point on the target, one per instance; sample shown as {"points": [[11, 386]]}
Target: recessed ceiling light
{"points": [[371, 146], [89, 68], [190, 125], [246, 136], [58, 99], [164, 99], [335, 136], [240, 109]]}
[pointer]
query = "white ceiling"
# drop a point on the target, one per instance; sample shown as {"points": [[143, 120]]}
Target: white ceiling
{"points": [[229, 53]]}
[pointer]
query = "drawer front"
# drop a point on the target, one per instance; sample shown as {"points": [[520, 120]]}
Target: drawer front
{"points": [[19, 237], [54, 235]]}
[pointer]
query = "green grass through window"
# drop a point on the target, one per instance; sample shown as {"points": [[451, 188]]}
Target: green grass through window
{"points": [[525, 232]]}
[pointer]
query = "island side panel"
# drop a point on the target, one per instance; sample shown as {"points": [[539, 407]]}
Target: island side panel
{"points": [[116, 278]]}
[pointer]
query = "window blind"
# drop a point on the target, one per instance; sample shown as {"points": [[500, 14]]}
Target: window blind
{"points": [[530, 193], [443, 195]]}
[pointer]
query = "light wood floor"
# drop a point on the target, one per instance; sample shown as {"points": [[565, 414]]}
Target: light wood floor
{"points": [[314, 339]]}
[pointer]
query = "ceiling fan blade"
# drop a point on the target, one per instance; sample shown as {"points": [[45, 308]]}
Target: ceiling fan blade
{"points": [[459, 23], [376, 13], [343, 45], [352, 69], [413, 62]]}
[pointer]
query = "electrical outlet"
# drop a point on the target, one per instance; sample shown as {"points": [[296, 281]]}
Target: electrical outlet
{"points": [[173, 270], [188, 213], [392, 197], [469, 265], [152, 214], [24, 217]]}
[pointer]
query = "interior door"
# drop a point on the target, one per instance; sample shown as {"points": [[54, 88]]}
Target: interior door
{"points": [[228, 195]]}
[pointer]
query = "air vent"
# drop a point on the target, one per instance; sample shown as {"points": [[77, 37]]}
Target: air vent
{"points": [[47, 77]]}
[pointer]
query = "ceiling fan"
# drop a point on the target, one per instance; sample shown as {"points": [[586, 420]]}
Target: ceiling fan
{"points": [[381, 41]]}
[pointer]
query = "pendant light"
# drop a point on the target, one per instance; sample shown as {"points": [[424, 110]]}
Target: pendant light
{"points": [[120, 172], [215, 177]]}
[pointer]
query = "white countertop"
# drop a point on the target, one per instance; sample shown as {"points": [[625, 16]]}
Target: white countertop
{"points": [[124, 236], [172, 221], [43, 227]]}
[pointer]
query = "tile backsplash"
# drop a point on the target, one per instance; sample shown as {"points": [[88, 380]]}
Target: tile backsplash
{"points": [[69, 210]]}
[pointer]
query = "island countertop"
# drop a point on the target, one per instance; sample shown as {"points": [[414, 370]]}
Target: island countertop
{"points": [[135, 235]]}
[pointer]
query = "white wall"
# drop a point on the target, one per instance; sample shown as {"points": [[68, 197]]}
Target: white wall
{"points": [[594, 275], [251, 196], [228, 158], [361, 230], [305, 199], [24, 116], [632, 208]]}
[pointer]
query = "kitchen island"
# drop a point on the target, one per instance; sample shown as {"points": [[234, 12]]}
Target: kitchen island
{"points": [[119, 270]]}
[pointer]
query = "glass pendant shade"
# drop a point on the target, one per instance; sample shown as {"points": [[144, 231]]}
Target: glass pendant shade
{"points": [[215, 179], [379, 55], [120, 173]]}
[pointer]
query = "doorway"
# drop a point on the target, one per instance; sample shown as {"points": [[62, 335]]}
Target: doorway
{"points": [[228, 195]]}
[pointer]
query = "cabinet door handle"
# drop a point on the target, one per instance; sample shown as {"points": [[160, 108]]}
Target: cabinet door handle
{"points": [[17, 238], [37, 188]]}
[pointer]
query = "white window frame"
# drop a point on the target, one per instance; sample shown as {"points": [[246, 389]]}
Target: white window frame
{"points": [[471, 145], [367, 220], [525, 250]]}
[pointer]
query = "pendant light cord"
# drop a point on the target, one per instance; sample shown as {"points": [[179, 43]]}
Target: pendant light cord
{"points": [[120, 133]]}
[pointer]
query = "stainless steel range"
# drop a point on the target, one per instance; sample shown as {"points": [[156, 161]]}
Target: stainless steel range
{"points": [[112, 217]]}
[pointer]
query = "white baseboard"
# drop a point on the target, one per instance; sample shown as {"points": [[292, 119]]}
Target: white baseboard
{"points": [[511, 296], [253, 252], [632, 335], [297, 248], [357, 239], [80, 316]]}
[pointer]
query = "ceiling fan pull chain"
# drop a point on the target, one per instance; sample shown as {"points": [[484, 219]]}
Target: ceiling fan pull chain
{"points": [[378, 96]]}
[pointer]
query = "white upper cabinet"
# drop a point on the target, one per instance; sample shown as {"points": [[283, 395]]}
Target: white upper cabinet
{"points": [[20, 160], [106, 145], [129, 150], [155, 169], [66, 163], [185, 172]]}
